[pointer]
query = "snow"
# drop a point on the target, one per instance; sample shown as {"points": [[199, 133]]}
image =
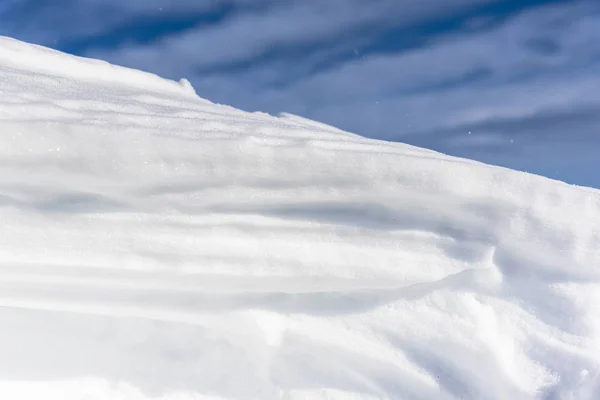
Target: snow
{"points": [[154, 245]]}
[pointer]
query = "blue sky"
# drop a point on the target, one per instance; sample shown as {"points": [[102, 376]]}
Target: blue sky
{"points": [[509, 82]]}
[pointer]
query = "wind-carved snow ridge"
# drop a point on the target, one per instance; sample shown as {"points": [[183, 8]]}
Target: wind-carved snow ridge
{"points": [[157, 246]]}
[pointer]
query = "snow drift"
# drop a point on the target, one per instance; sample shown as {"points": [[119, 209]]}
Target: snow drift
{"points": [[154, 245]]}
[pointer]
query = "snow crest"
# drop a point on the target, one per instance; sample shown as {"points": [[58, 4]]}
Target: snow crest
{"points": [[157, 246]]}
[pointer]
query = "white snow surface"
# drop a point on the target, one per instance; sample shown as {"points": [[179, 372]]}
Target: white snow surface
{"points": [[154, 245]]}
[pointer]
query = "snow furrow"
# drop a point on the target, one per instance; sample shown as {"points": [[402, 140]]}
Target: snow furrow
{"points": [[154, 245]]}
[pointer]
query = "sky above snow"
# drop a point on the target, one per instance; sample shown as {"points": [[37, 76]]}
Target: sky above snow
{"points": [[510, 82]]}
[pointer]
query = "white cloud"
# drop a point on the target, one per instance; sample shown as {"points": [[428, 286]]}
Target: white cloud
{"points": [[286, 24], [409, 86], [57, 20]]}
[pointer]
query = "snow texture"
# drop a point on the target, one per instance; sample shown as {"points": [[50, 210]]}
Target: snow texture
{"points": [[154, 245]]}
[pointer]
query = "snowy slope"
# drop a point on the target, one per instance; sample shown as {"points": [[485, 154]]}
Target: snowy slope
{"points": [[154, 245]]}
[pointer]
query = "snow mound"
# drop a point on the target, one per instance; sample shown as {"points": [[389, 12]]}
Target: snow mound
{"points": [[157, 246]]}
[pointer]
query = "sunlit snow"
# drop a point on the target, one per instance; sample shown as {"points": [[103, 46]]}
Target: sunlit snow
{"points": [[154, 245]]}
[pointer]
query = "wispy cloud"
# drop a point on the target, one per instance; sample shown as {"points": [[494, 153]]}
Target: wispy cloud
{"points": [[284, 25], [504, 73], [66, 20]]}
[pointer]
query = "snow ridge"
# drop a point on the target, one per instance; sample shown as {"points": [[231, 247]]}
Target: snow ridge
{"points": [[171, 248]]}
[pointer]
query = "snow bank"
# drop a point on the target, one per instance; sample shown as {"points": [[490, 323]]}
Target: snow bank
{"points": [[31, 60], [156, 246]]}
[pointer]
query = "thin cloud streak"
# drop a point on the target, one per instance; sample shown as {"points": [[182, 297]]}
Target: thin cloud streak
{"points": [[284, 25]]}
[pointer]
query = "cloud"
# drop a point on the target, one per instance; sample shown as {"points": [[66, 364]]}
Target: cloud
{"points": [[466, 79], [285, 25], [49, 22]]}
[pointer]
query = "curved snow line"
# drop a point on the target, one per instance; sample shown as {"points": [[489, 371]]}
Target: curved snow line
{"points": [[26, 57], [178, 246]]}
